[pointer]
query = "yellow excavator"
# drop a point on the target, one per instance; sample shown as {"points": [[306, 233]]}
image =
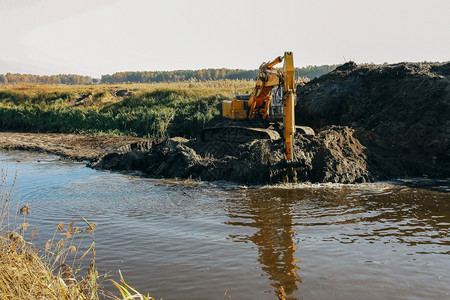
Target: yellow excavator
{"points": [[272, 100]]}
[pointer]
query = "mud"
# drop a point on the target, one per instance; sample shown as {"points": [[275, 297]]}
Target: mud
{"points": [[333, 155], [71, 146]]}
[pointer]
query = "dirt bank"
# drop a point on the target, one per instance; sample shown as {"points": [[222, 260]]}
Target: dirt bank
{"points": [[400, 114], [371, 122], [333, 155], [73, 146]]}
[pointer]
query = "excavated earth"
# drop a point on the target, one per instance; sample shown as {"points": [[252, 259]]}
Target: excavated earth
{"points": [[333, 155], [371, 123], [400, 114]]}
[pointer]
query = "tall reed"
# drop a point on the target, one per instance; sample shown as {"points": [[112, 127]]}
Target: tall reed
{"points": [[60, 270]]}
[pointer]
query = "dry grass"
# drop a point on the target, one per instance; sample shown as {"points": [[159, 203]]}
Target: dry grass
{"points": [[56, 272], [104, 94]]}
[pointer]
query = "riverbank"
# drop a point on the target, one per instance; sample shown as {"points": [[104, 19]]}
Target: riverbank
{"points": [[332, 155], [67, 145]]}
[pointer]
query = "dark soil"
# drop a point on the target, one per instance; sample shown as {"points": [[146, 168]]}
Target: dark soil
{"points": [[400, 114], [333, 155]]}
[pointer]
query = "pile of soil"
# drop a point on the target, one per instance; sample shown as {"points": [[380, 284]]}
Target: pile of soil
{"points": [[372, 123], [399, 112], [333, 155]]}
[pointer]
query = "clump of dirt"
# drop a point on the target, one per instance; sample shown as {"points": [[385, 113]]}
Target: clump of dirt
{"points": [[400, 113], [82, 99], [123, 93], [333, 155]]}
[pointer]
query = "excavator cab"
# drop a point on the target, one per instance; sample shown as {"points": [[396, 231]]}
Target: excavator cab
{"points": [[276, 104]]}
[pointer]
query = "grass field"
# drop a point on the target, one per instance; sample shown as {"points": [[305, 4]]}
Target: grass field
{"points": [[147, 110]]}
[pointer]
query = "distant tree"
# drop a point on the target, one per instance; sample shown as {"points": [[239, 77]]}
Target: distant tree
{"points": [[55, 79], [204, 74], [3, 79]]}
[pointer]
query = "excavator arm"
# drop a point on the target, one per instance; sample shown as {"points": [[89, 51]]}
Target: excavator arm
{"points": [[258, 103], [261, 97], [289, 104]]}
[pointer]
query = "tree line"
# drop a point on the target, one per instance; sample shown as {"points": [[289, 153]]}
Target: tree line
{"points": [[48, 79], [156, 76], [204, 74]]}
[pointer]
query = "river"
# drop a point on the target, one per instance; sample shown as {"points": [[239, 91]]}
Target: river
{"points": [[197, 240]]}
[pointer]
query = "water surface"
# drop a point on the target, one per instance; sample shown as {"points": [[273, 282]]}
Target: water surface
{"points": [[195, 240]]}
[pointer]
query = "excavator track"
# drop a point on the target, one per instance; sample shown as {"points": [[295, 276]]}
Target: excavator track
{"points": [[237, 134]]}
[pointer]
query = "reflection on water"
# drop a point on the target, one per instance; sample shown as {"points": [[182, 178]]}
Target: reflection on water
{"points": [[274, 237], [384, 223], [196, 240]]}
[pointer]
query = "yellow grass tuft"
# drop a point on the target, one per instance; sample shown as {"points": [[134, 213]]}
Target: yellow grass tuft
{"points": [[26, 273]]}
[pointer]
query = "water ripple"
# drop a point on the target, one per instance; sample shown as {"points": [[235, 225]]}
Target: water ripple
{"points": [[194, 240]]}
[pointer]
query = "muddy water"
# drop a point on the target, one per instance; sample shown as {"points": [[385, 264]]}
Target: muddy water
{"points": [[191, 240]]}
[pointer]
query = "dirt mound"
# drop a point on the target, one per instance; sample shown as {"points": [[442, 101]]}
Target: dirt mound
{"points": [[372, 123], [333, 155], [400, 113]]}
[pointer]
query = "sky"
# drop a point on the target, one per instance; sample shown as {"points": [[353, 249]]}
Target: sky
{"points": [[97, 37]]}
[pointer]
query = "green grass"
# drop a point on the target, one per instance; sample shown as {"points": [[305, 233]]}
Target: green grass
{"points": [[152, 110]]}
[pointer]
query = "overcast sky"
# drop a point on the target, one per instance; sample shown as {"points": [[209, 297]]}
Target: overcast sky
{"points": [[95, 37]]}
